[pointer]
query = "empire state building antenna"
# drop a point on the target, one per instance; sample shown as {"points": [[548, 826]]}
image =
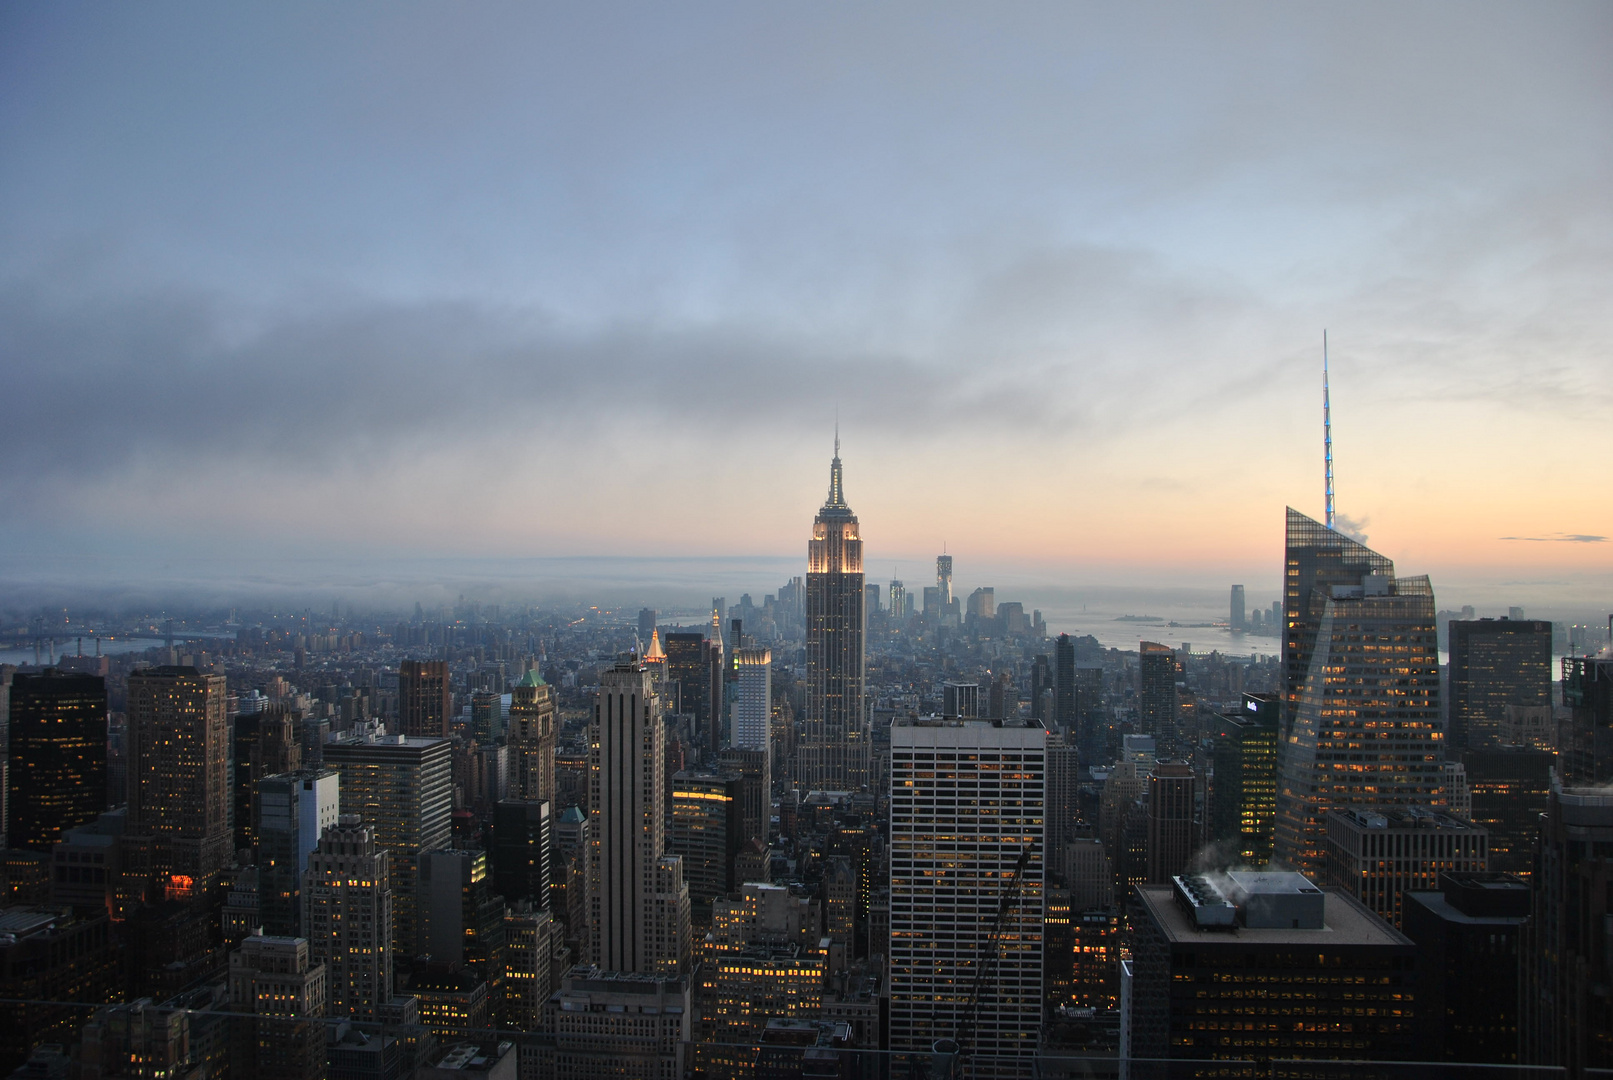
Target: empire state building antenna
{"points": [[1327, 432]]}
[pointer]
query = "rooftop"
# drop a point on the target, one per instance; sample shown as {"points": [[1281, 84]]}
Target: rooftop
{"points": [[1345, 921]]}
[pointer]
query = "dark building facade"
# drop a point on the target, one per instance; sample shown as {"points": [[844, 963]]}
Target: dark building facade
{"points": [[835, 751], [1588, 693], [1495, 663], [1156, 694], [425, 698], [1511, 789], [57, 775], [523, 840], [1467, 935], [1243, 799]]}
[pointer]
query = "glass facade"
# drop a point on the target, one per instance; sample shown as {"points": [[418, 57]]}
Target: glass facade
{"points": [[1496, 663]]}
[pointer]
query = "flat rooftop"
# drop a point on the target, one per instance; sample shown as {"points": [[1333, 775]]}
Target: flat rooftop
{"points": [[1345, 921]]}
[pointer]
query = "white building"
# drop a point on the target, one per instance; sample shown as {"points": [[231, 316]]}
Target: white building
{"points": [[967, 800]]}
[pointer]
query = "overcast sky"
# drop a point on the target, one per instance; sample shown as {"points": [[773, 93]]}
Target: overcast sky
{"points": [[474, 279]]}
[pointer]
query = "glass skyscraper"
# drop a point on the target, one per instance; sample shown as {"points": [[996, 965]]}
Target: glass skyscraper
{"points": [[1362, 723]]}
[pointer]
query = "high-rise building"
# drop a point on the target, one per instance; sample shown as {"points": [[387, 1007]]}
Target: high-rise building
{"points": [[402, 787], [532, 738], [900, 602], [1467, 937], [267, 742], [462, 918], [639, 918], [1371, 681], [755, 771], [347, 918], [529, 948], [836, 750], [967, 815], [1190, 992], [646, 625], [1171, 788], [1064, 713], [57, 773], [960, 700], [425, 698], [707, 831], [1567, 962], [1510, 792], [1156, 694], [487, 716], [1587, 755], [179, 775], [751, 700], [1243, 801], [294, 810], [523, 846], [1063, 803], [1236, 616], [281, 990], [943, 574], [1380, 853], [1495, 663]]}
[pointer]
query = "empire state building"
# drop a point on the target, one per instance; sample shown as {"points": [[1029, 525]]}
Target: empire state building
{"points": [[835, 753]]}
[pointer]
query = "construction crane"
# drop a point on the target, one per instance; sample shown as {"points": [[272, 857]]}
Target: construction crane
{"points": [[949, 1053]]}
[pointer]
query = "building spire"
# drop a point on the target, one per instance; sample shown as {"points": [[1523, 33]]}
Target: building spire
{"points": [[1327, 433], [837, 494]]}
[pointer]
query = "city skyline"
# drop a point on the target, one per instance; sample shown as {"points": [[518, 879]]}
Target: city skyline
{"points": [[1097, 263]]}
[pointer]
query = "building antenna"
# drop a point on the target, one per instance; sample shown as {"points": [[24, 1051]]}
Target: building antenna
{"points": [[1327, 431]]}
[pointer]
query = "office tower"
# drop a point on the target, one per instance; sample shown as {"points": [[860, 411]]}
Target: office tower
{"points": [[179, 775], [1379, 853], [462, 917], [523, 845], [639, 904], [1243, 800], [1171, 842], [751, 708], [871, 598], [982, 604], [1567, 962], [686, 675], [1510, 790], [402, 787], [347, 918], [1063, 803], [967, 802], [52, 966], [529, 947], [1292, 942], [607, 1023], [1095, 952], [425, 698], [716, 672], [1467, 936], [1042, 684], [707, 831], [943, 578], [835, 753], [294, 810], [899, 602], [646, 625], [1588, 693], [267, 742], [1237, 617], [742, 991], [961, 700], [57, 774], [755, 771], [1064, 713], [486, 716], [1495, 663], [281, 990], [932, 603], [532, 738], [1318, 558], [1372, 680], [1156, 693]]}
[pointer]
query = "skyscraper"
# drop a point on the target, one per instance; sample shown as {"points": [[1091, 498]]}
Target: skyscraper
{"points": [[1243, 803], [1156, 694], [58, 755], [347, 918], [967, 801], [639, 920], [402, 788], [835, 752], [1064, 682], [532, 738], [1363, 725], [294, 810], [943, 571], [1170, 820], [1236, 615], [898, 600], [425, 698], [1496, 663], [179, 774]]}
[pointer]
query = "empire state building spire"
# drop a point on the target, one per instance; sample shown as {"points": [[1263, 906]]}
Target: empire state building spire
{"points": [[837, 492]]}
